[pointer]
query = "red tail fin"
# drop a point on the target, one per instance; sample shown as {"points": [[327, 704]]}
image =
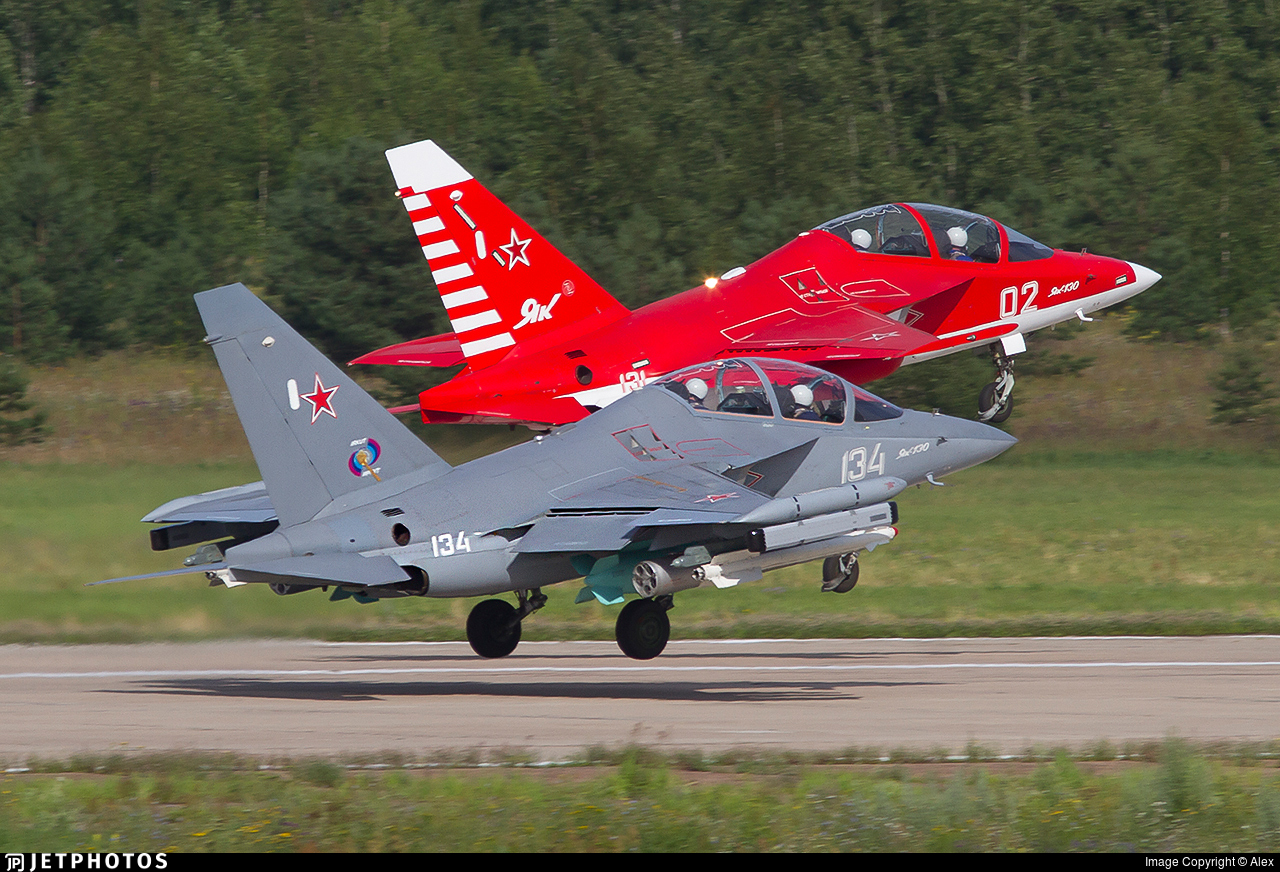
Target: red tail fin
{"points": [[500, 281]]}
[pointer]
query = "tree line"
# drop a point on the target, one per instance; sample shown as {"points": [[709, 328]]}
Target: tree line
{"points": [[155, 148]]}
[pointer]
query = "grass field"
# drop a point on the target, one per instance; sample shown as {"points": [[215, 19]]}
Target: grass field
{"points": [[1167, 798], [1122, 510]]}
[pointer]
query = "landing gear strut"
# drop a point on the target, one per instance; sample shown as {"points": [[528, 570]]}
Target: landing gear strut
{"points": [[995, 402], [643, 627], [493, 627], [839, 573]]}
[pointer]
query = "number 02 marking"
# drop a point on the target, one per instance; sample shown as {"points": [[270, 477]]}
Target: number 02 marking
{"points": [[1009, 300]]}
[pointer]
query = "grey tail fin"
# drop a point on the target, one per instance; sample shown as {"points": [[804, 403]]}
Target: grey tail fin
{"points": [[315, 434]]}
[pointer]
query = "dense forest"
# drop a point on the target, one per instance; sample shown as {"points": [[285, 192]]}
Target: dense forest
{"points": [[152, 149]]}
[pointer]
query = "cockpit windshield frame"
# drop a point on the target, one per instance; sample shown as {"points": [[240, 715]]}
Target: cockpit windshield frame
{"points": [[887, 229], [978, 240], [926, 230], [795, 392]]}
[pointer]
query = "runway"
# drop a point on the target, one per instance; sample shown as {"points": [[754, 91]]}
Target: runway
{"points": [[553, 699]]}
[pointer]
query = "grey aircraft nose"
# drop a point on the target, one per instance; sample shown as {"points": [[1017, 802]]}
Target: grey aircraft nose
{"points": [[964, 443], [978, 442]]}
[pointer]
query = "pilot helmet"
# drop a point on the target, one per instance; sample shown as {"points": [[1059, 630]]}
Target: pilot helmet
{"points": [[697, 387], [802, 394], [959, 238], [860, 238]]}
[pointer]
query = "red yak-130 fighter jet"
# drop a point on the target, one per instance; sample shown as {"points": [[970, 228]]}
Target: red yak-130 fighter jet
{"points": [[858, 296]]}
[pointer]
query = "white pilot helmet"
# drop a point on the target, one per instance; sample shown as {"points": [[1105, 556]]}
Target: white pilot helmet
{"points": [[802, 394], [697, 388], [959, 238], [860, 238]]}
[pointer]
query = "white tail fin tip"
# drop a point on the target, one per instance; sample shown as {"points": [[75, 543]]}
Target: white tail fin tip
{"points": [[423, 166]]}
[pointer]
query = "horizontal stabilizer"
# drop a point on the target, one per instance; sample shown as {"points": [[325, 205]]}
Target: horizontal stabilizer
{"points": [[517, 409], [168, 573], [246, 503], [441, 350], [324, 569]]}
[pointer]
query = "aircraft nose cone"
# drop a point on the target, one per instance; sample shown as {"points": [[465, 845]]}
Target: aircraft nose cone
{"points": [[985, 442], [956, 443], [1143, 278], [973, 442]]}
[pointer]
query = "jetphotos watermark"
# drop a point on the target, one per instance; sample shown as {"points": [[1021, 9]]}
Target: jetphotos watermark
{"points": [[79, 861]]}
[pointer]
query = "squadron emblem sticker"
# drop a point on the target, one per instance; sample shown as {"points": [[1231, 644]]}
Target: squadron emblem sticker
{"points": [[362, 460]]}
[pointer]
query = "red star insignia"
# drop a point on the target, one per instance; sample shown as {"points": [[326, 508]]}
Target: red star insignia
{"points": [[321, 400], [513, 256]]}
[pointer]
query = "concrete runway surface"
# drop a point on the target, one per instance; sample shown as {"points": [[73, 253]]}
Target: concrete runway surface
{"points": [[553, 699]]}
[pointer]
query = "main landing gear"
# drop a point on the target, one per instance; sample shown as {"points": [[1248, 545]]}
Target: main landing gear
{"points": [[643, 627], [995, 402], [493, 627], [839, 573]]}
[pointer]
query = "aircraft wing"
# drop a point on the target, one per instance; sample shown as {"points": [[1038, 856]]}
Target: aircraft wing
{"points": [[850, 332], [606, 518], [441, 350]]}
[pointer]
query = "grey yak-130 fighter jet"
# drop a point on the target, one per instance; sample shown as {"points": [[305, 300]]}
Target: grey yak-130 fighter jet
{"points": [[709, 476]]}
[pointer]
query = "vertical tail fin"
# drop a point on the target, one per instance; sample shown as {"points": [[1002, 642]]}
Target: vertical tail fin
{"points": [[500, 281], [315, 434]]}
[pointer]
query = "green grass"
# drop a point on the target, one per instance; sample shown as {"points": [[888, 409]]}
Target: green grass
{"points": [[1028, 544], [1171, 798]]}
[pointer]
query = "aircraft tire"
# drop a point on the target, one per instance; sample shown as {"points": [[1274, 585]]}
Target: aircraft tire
{"points": [[831, 568], [492, 629], [643, 629], [987, 399]]}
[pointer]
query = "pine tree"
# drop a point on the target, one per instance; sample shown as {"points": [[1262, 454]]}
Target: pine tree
{"points": [[19, 425], [1243, 390]]}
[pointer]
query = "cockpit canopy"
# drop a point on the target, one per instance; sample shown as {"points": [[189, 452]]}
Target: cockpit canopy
{"points": [[907, 228], [767, 387]]}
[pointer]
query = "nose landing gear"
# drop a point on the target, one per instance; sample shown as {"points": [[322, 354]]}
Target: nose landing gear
{"points": [[995, 401]]}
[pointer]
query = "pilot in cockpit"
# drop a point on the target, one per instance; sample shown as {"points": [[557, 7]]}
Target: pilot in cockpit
{"points": [[697, 392], [803, 410], [959, 240], [861, 239]]}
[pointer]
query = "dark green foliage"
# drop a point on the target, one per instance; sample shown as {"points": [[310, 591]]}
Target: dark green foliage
{"points": [[54, 263], [19, 425], [1243, 389], [190, 143]]}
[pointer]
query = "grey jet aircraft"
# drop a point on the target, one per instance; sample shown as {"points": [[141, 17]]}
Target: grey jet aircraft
{"points": [[710, 476]]}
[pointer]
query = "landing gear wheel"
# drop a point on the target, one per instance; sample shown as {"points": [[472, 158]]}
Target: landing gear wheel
{"points": [[643, 629], [840, 574], [987, 399], [493, 628]]}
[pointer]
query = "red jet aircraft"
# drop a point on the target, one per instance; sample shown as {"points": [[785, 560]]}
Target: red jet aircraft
{"points": [[858, 296]]}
